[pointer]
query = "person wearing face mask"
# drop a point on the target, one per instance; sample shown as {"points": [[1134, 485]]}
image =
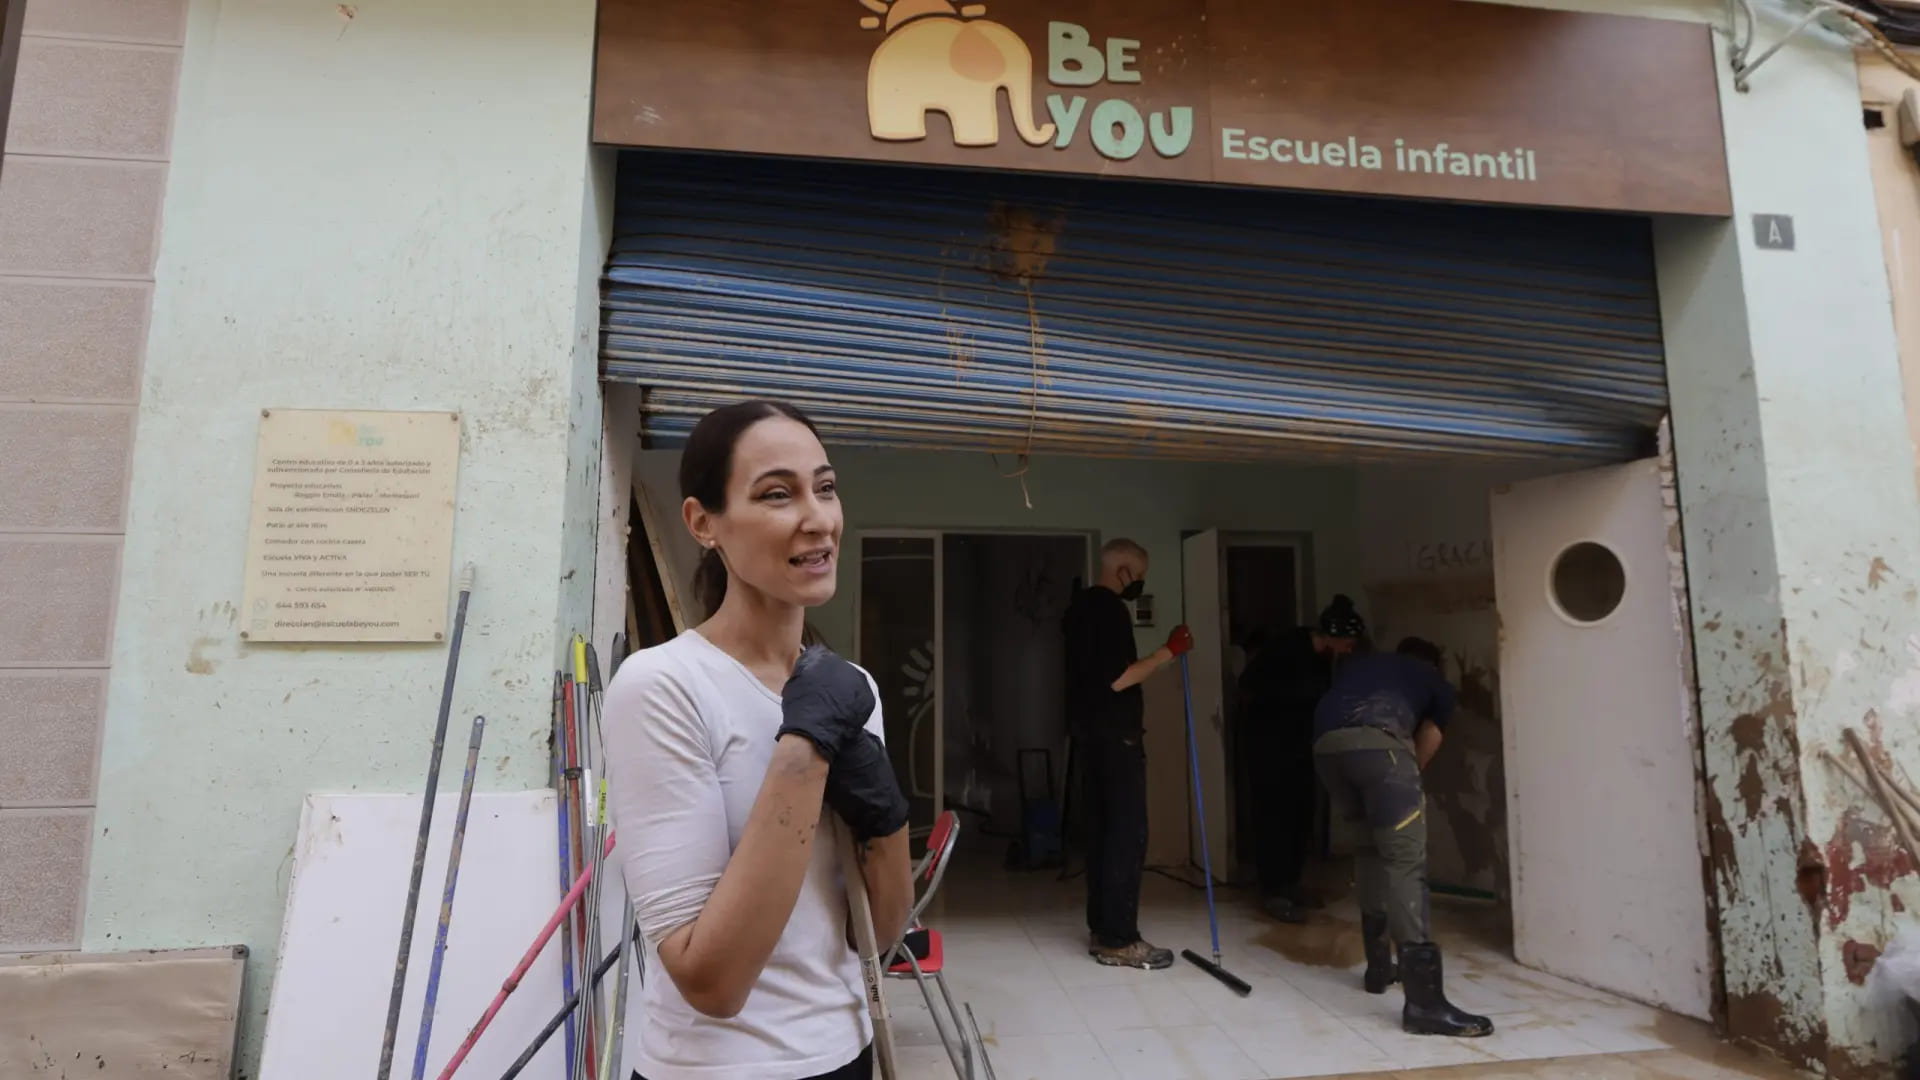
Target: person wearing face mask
{"points": [[1106, 715], [1283, 682], [723, 745]]}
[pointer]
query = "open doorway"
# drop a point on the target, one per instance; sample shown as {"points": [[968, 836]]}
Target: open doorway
{"points": [[961, 629], [1263, 581], [1005, 718], [962, 633]]}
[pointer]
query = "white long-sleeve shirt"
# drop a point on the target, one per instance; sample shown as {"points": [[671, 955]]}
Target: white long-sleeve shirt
{"points": [[690, 734]]}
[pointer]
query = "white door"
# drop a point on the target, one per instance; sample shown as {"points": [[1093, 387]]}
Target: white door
{"points": [[1601, 812], [1200, 586]]}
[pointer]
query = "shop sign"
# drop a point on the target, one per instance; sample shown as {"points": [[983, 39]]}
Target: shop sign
{"points": [[1427, 98]]}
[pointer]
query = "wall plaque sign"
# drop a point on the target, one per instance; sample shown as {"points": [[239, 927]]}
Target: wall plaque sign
{"points": [[352, 531]]}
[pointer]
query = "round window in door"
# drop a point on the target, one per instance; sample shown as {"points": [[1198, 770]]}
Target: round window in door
{"points": [[1588, 582]]}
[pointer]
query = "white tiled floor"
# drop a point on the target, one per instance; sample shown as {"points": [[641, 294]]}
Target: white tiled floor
{"points": [[1016, 950]]}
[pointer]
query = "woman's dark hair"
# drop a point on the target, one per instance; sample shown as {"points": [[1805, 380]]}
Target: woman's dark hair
{"points": [[706, 464]]}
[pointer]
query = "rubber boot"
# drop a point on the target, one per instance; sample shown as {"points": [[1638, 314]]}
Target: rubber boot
{"points": [[1428, 1012], [1380, 969]]}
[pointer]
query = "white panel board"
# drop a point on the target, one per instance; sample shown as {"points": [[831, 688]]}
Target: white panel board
{"points": [[350, 870], [1599, 754]]}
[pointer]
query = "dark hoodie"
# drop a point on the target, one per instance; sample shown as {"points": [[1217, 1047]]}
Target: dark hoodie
{"points": [[1099, 632]]}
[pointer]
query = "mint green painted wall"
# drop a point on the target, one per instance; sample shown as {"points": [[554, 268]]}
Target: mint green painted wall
{"points": [[1152, 502]]}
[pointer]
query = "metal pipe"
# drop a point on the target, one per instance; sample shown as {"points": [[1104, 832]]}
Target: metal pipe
{"points": [[426, 822], [559, 774], [519, 972], [446, 900], [565, 1014], [617, 1024]]}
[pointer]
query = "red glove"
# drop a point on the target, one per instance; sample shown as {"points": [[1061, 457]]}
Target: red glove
{"points": [[1180, 642]]}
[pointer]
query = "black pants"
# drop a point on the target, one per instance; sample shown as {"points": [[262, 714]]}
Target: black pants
{"points": [[1284, 793], [1114, 793], [860, 1068]]}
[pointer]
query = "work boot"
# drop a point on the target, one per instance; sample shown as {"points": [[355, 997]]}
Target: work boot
{"points": [[1428, 1012], [1137, 955], [1381, 972], [1282, 908]]}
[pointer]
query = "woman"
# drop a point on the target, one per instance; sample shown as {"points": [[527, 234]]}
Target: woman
{"points": [[722, 746]]}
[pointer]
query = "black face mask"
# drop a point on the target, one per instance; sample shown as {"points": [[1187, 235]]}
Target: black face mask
{"points": [[1133, 589]]}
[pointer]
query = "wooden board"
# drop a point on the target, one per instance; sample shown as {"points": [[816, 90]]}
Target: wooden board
{"points": [[1424, 98], [121, 1016]]}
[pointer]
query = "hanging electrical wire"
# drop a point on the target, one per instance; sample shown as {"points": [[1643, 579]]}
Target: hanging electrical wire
{"points": [[1869, 22], [1898, 23], [1885, 30]]}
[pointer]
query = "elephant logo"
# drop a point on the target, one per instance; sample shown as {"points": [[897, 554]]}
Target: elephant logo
{"points": [[937, 57]]}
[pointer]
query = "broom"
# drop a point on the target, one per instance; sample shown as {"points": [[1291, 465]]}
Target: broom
{"points": [[1229, 979]]}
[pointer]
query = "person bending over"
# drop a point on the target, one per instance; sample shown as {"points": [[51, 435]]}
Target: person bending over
{"points": [[1376, 729], [722, 747]]}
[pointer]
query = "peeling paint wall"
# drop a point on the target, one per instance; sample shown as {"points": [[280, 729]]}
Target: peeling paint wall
{"points": [[389, 211], [1426, 557], [1798, 506]]}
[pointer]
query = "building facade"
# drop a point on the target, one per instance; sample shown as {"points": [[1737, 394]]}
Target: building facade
{"points": [[209, 209]]}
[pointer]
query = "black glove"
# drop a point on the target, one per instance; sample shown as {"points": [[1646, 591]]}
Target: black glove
{"points": [[826, 700], [862, 790]]}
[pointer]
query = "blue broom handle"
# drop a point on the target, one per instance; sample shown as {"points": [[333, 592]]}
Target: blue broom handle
{"points": [[1199, 802]]}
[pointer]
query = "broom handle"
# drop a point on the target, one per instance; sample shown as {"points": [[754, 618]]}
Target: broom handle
{"points": [[1199, 803], [860, 912]]}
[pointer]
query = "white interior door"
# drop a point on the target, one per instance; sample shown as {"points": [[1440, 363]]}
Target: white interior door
{"points": [[1200, 586], [1601, 810]]}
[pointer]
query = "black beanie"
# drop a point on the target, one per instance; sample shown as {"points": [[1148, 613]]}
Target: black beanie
{"points": [[1340, 620]]}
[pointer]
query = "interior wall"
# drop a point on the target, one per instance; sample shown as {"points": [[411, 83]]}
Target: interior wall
{"points": [[1426, 560], [1006, 682], [1153, 502]]}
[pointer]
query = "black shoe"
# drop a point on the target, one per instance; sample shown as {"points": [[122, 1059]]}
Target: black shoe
{"points": [[1381, 972], [1283, 909], [1427, 1011]]}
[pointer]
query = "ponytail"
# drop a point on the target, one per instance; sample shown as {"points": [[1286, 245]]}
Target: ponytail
{"points": [[710, 582]]}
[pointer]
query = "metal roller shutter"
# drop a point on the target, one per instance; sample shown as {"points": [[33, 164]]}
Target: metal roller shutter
{"points": [[1016, 313]]}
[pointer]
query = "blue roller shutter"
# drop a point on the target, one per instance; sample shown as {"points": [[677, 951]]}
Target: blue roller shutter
{"points": [[990, 311]]}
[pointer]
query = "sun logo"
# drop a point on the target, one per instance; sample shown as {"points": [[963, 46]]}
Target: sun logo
{"points": [[937, 57]]}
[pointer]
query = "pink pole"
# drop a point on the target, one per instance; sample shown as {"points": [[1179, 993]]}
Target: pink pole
{"points": [[520, 971]]}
